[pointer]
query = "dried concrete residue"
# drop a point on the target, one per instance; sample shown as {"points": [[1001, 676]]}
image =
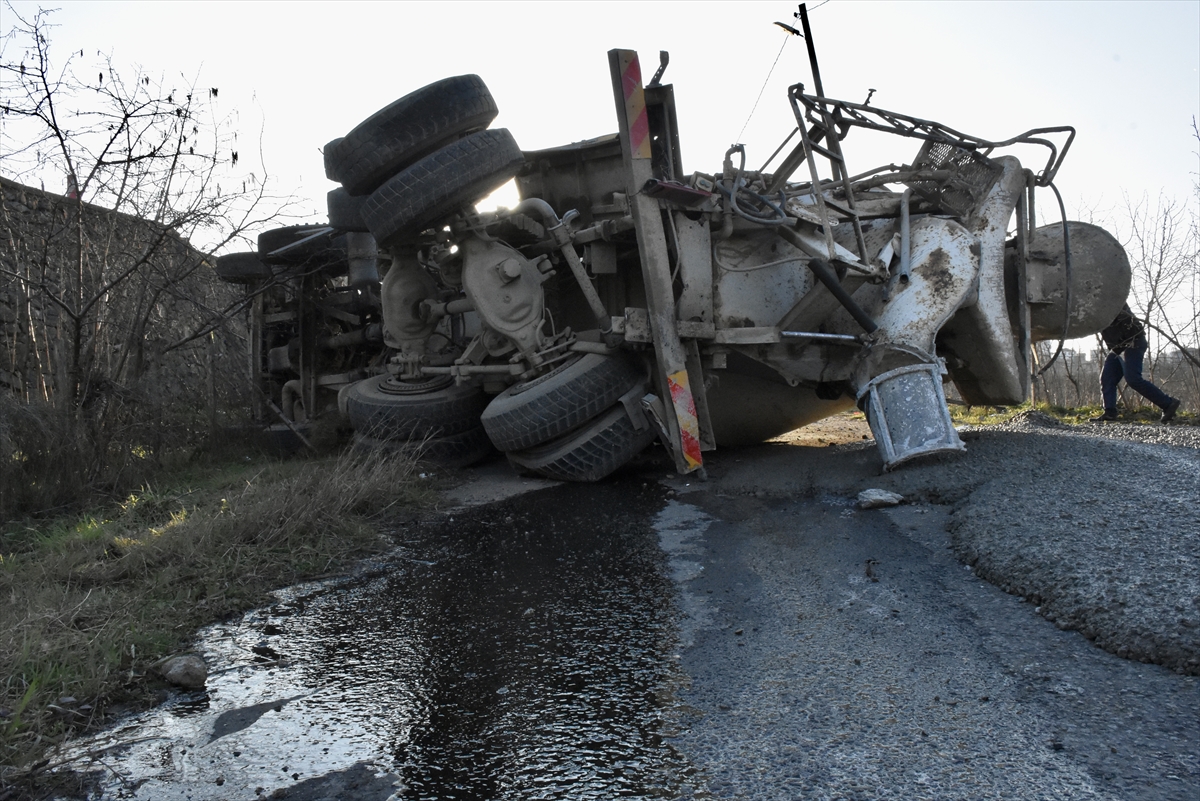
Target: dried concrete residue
{"points": [[491, 482], [1104, 536], [681, 529], [878, 499]]}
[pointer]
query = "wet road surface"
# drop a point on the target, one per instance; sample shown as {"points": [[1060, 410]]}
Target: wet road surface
{"points": [[626, 640], [516, 651]]}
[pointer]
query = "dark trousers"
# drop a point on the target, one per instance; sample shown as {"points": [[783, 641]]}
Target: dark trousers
{"points": [[1128, 365]]}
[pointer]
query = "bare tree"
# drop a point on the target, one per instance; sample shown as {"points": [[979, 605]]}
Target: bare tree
{"points": [[136, 145], [102, 288], [1164, 251]]}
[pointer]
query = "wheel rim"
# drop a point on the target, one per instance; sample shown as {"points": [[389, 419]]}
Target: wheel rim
{"points": [[393, 386]]}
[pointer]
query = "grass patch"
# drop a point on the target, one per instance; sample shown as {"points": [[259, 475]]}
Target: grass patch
{"points": [[92, 601], [994, 415]]}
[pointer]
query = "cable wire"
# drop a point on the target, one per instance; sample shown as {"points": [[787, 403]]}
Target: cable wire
{"points": [[764, 86]]}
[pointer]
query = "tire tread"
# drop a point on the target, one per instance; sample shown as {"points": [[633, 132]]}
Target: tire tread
{"points": [[525, 416], [590, 454], [408, 129], [440, 413], [439, 184]]}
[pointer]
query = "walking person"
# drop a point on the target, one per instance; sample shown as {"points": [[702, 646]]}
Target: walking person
{"points": [[1126, 340]]}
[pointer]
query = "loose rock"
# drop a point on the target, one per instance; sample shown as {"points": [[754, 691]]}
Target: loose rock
{"points": [[187, 671], [876, 498]]}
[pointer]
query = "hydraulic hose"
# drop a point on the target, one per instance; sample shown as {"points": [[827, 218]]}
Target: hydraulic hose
{"points": [[1062, 211], [562, 238], [738, 184]]}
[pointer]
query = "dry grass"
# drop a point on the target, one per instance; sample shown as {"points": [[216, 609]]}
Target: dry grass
{"points": [[91, 603], [994, 415]]}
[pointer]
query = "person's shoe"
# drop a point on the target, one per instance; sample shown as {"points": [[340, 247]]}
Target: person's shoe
{"points": [[1169, 412], [1109, 416]]}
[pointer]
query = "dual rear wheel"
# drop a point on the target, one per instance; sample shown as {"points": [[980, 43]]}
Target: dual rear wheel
{"points": [[407, 169], [419, 160], [435, 420], [580, 422]]}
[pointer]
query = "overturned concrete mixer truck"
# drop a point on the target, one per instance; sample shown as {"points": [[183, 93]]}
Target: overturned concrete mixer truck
{"points": [[625, 300]]}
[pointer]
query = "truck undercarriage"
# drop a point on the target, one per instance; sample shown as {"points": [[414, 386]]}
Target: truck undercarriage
{"points": [[624, 300]]}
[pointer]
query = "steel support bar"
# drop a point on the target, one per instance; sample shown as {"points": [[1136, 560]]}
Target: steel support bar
{"points": [[683, 430], [849, 339], [860, 115], [257, 368], [826, 275]]}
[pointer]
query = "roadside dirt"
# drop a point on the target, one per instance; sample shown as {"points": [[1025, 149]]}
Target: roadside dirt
{"points": [[841, 429]]}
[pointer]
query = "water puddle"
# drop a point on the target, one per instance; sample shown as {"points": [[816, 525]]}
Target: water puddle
{"points": [[524, 650]]}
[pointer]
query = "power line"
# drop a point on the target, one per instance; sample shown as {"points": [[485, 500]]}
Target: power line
{"points": [[764, 86], [790, 32]]}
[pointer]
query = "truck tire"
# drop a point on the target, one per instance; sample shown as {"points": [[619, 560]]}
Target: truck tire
{"points": [[458, 175], [407, 130], [345, 210], [321, 248], [386, 409], [327, 155], [592, 452], [456, 450], [537, 411], [241, 268]]}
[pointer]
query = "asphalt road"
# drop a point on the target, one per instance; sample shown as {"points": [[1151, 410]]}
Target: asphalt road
{"points": [[839, 653]]}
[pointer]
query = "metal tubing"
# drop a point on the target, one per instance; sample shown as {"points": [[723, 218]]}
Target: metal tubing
{"points": [[604, 230], [1062, 210], [279, 412], [726, 229], [562, 238], [860, 115], [541, 208], [828, 277], [317, 234], [291, 391], [847, 338], [345, 340], [782, 144], [579, 346], [905, 236], [372, 333], [460, 305], [474, 369], [435, 310], [1032, 209]]}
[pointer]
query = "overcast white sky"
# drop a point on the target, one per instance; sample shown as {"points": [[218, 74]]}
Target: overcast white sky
{"points": [[1126, 75]]}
